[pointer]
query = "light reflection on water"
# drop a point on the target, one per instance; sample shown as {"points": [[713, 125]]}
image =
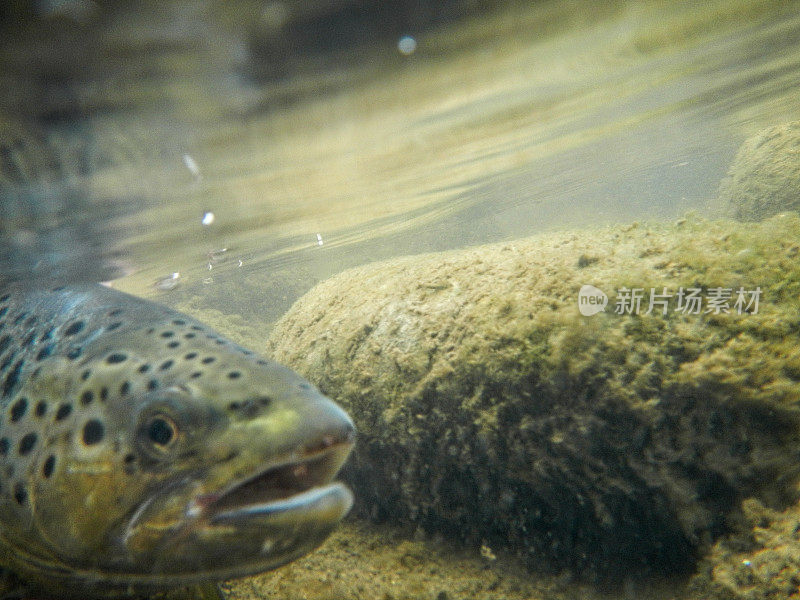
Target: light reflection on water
{"points": [[555, 115]]}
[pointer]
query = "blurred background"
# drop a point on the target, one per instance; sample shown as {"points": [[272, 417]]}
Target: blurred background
{"points": [[236, 153]]}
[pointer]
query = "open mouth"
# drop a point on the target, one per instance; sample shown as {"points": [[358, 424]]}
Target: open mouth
{"points": [[301, 483]]}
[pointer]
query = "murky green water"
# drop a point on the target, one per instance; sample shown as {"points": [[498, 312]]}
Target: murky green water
{"points": [[550, 116], [527, 118], [530, 117]]}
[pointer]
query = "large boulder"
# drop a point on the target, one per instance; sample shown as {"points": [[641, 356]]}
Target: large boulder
{"points": [[759, 561], [492, 411], [764, 178]]}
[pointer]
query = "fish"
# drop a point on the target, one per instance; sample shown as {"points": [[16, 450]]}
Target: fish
{"points": [[142, 451]]}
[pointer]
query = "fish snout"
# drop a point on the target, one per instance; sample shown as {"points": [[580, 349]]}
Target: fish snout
{"points": [[326, 425]]}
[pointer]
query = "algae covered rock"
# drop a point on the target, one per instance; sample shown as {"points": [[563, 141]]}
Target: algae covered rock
{"points": [[759, 562], [764, 179], [491, 411]]}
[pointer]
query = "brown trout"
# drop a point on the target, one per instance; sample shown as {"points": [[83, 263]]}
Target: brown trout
{"points": [[142, 451]]}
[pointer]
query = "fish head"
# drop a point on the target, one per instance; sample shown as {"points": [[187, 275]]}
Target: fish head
{"points": [[171, 468], [251, 485]]}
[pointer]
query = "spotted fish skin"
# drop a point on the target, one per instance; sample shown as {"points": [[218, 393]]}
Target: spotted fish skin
{"points": [[140, 450]]}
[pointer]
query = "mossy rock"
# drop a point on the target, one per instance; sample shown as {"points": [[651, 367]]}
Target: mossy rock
{"points": [[761, 561], [764, 179], [491, 411]]}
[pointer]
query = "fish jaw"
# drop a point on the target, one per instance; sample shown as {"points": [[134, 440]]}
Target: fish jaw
{"points": [[207, 526]]}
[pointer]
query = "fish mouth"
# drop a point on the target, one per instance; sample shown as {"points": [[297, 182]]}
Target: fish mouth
{"points": [[301, 483], [257, 509], [256, 523]]}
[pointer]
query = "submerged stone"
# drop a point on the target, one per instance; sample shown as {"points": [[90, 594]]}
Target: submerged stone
{"points": [[760, 561], [492, 411], [764, 178]]}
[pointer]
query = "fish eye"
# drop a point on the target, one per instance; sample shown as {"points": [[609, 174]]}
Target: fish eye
{"points": [[161, 431]]}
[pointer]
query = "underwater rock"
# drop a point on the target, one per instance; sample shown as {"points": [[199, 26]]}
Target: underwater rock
{"points": [[760, 562], [491, 411], [764, 179]]}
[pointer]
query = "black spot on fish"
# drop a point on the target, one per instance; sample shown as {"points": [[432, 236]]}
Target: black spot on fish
{"points": [[197, 328], [41, 409], [103, 394], [116, 358], [85, 375], [152, 384], [248, 408], [3, 311], [28, 340], [4, 446], [115, 313], [58, 289], [190, 355], [12, 379], [93, 432], [75, 327], [4, 342], [264, 401], [173, 344], [7, 361], [234, 375], [20, 318], [20, 495], [45, 352], [167, 334], [190, 336], [4, 297], [87, 397], [48, 466], [18, 409], [196, 374], [129, 464], [208, 360], [114, 325], [125, 388], [31, 322], [47, 335], [151, 330], [144, 368], [74, 352], [27, 443], [262, 362], [63, 412], [166, 364], [179, 322]]}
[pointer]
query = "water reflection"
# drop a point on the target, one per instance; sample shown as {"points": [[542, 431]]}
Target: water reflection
{"points": [[523, 118]]}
